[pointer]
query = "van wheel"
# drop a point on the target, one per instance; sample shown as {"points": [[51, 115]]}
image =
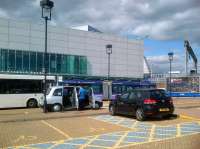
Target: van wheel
{"points": [[140, 115], [32, 103], [56, 108], [112, 110], [97, 106]]}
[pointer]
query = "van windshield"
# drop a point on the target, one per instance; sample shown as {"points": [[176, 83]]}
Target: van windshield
{"points": [[158, 94]]}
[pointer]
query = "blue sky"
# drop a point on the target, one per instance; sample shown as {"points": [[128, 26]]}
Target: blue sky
{"points": [[156, 47]]}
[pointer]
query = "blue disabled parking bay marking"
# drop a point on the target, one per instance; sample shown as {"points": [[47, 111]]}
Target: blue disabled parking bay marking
{"points": [[141, 132]]}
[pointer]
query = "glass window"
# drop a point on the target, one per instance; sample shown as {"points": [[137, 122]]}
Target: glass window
{"points": [[52, 63], [25, 61], [4, 55], [0, 61], [47, 63], [18, 60], [58, 92], [139, 94], [125, 96], [97, 89], [158, 94], [76, 64], [33, 61], [83, 65], [59, 63], [11, 60], [132, 96], [40, 62], [116, 89], [70, 64], [64, 64]]}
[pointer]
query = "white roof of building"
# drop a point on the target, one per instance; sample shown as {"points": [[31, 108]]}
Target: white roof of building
{"points": [[86, 28], [147, 69]]}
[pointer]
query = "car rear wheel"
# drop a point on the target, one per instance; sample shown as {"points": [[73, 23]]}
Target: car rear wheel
{"points": [[140, 114], [112, 110], [56, 108]]}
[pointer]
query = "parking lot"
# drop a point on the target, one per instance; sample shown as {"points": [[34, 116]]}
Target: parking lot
{"points": [[30, 128]]}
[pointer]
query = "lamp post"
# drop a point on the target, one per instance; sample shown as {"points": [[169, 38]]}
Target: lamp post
{"points": [[46, 6], [109, 52], [170, 54]]}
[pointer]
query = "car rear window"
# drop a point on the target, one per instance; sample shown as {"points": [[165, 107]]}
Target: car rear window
{"points": [[158, 94]]}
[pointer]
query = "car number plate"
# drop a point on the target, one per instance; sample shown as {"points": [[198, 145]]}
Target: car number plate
{"points": [[163, 109]]}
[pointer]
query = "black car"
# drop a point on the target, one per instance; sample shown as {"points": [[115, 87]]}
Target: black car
{"points": [[143, 103]]}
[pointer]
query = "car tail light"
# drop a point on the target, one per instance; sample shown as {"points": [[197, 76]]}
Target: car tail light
{"points": [[150, 101]]}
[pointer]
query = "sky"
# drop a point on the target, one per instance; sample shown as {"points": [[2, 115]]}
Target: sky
{"points": [[163, 24]]}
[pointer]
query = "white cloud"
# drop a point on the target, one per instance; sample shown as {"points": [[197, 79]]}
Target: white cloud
{"points": [[3, 13]]}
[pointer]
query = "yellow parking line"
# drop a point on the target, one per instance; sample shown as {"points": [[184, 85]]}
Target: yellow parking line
{"points": [[134, 125], [56, 129], [189, 117], [178, 130], [121, 139], [121, 120], [57, 143], [152, 132], [91, 140]]}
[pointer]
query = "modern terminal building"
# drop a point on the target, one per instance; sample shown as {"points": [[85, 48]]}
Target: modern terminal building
{"points": [[71, 53]]}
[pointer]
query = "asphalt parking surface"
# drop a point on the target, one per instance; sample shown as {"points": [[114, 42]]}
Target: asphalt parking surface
{"points": [[101, 130]]}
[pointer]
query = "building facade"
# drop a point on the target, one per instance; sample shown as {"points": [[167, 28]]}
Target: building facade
{"points": [[70, 52]]}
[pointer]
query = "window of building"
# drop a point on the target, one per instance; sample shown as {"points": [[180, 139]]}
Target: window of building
{"points": [[70, 64], [19, 61], [52, 63], [59, 63], [33, 64], [40, 58], [25, 61], [11, 60]]}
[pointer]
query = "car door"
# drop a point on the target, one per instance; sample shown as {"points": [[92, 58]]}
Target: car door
{"points": [[132, 102], [122, 104], [56, 97]]}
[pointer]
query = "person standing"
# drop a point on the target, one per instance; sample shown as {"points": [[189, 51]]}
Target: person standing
{"points": [[82, 97]]}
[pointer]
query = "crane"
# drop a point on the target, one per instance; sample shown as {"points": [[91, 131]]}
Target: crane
{"points": [[189, 53]]}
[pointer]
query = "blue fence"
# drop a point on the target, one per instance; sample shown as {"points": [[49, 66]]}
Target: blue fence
{"points": [[185, 94]]}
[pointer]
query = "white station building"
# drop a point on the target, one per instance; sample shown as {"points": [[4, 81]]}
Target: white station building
{"points": [[71, 52]]}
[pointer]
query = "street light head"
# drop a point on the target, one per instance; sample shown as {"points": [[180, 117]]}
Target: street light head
{"points": [[109, 49], [170, 54], [46, 6]]}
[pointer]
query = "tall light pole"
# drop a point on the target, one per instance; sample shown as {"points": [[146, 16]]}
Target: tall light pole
{"points": [[109, 52], [46, 6], [170, 54]]}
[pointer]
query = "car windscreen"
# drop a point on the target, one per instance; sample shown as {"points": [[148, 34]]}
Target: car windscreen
{"points": [[158, 94]]}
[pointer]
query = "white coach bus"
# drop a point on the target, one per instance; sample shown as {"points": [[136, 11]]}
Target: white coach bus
{"points": [[21, 90]]}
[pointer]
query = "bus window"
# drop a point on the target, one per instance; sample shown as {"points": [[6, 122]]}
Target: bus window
{"points": [[97, 89]]}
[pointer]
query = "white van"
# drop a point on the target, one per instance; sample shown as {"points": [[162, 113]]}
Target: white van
{"points": [[66, 98]]}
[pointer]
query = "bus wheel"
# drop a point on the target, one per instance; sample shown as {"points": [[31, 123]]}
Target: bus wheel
{"points": [[32, 103], [56, 108]]}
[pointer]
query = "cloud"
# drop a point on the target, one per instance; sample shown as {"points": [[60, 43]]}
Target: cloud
{"points": [[159, 19]]}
